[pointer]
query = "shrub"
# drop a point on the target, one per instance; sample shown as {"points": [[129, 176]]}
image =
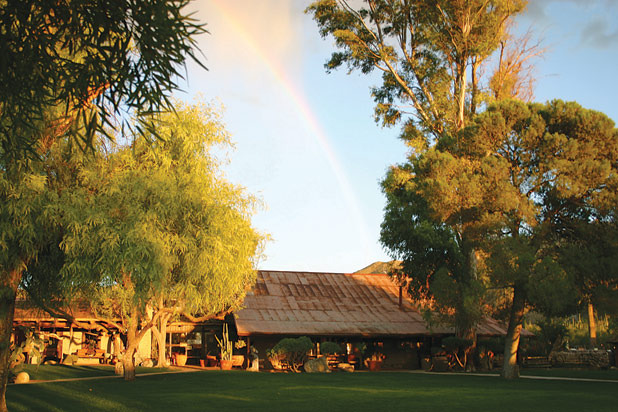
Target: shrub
{"points": [[495, 345], [453, 345], [330, 348], [291, 352]]}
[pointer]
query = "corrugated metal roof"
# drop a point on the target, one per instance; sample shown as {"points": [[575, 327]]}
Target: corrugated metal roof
{"points": [[301, 303]]}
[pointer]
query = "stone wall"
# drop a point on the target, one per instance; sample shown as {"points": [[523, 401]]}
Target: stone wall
{"points": [[582, 358]]}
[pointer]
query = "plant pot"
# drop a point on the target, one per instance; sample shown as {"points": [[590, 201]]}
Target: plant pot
{"points": [[238, 360], [374, 365], [202, 363], [426, 364], [181, 359], [212, 360], [226, 364]]}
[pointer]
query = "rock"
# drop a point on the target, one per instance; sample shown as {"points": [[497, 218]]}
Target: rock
{"points": [[316, 365], [581, 358], [346, 367], [22, 377]]}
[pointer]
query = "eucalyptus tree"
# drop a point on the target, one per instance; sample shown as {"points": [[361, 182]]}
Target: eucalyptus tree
{"points": [[156, 229], [73, 68], [431, 55]]}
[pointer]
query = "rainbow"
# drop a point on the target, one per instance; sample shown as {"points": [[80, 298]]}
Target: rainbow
{"points": [[305, 113]]}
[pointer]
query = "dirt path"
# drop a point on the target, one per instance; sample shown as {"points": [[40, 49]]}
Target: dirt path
{"points": [[495, 375], [190, 369]]}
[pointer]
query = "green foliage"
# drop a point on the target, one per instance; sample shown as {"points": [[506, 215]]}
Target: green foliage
{"points": [[577, 334], [96, 60], [292, 351], [300, 345], [495, 344], [424, 50], [455, 344], [152, 230], [437, 260], [330, 348], [32, 346], [513, 195], [159, 224], [551, 334]]}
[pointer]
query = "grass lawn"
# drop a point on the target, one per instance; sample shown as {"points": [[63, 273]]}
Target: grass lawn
{"points": [[237, 390], [572, 373], [52, 372]]}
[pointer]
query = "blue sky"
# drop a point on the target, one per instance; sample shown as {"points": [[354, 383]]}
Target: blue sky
{"points": [[305, 140]]}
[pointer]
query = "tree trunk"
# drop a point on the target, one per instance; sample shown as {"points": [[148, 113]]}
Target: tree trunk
{"points": [[118, 346], [160, 334], [510, 370], [465, 322], [461, 96], [128, 360], [8, 293], [592, 326], [469, 334], [128, 363]]}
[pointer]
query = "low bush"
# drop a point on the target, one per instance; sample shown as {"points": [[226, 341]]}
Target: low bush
{"points": [[455, 347], [290, 353], [330, 348]]}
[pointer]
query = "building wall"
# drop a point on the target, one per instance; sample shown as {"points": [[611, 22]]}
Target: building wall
{"points": [[69, 345], [144, 350]]}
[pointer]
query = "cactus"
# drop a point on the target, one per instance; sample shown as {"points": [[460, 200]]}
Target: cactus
{"points": [[226, 345]]}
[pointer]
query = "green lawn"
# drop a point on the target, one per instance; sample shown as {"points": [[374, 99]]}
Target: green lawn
{"points": [[237, 390], [572, 373], [52, 372]]}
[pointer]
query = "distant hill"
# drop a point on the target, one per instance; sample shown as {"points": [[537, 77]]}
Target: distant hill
{"points": [[381, 267]]}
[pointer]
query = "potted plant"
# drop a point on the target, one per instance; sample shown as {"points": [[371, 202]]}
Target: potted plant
{"points": [[357, 353], [227, 349], [211, 359], [181, 358], [374, 362], [331, 350]]}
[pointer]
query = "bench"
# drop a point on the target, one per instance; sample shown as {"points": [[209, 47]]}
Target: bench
{"points": [[87, 356]]}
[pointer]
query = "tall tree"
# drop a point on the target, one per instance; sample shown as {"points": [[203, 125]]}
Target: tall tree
{"points": [[434, 253], [161, 230], [586, 238], [499, 182], [87, 63], [430, 54]]}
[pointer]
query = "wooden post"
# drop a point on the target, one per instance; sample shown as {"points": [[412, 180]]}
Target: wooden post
{"points": [[170, 345], [204, 344]]}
